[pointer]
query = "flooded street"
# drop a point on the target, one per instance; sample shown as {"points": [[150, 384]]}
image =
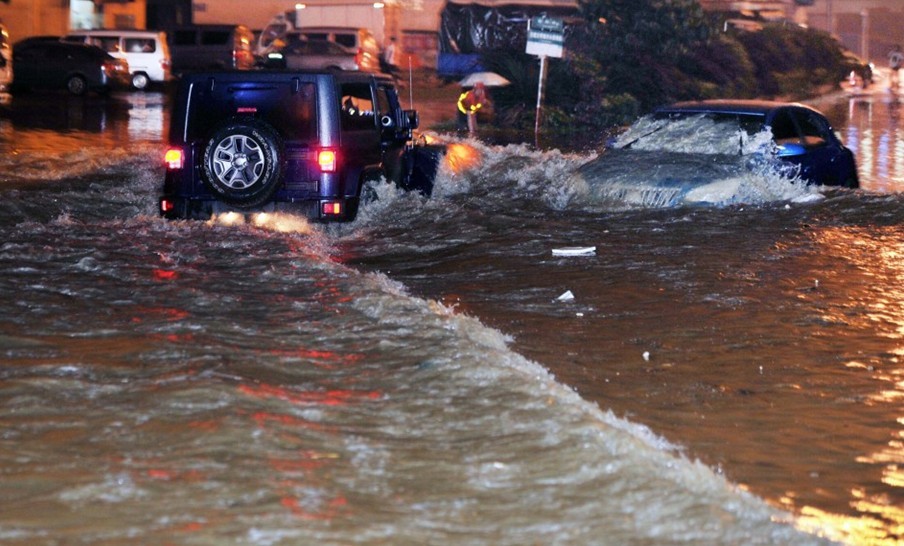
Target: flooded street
{"points": [[722, 375]]}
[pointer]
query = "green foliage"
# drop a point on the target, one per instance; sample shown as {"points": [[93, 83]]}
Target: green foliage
{"points": [[791, 61]]}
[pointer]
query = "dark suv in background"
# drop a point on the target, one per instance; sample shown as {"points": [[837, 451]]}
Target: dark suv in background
{"points": [[292, 141]]}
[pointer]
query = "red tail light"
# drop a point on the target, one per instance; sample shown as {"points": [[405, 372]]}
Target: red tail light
{"points": [[327, 160], [331, 208], [174, 159], [166, 206]]}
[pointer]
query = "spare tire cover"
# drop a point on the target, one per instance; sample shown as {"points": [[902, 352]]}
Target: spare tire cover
{"points": [[242, 162]]}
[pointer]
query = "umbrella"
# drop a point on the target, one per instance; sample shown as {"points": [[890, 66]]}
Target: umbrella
{"points": [[489, 79]]}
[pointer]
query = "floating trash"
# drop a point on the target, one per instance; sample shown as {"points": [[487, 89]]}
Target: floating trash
{"points": [[574, 251]]}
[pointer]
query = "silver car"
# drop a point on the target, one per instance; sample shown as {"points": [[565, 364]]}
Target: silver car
{"points": [[314, 55]]}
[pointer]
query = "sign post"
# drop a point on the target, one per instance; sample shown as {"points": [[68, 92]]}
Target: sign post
{"points": [[545, 38]]}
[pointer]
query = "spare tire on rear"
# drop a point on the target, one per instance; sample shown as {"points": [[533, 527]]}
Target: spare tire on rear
{"points": [[242, 162]]}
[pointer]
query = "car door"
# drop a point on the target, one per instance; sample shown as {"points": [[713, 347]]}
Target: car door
{"points": [[142, 55], [56, 65], [805, 139], [27, 63], [824, 161], [359, 123], [394, 131]]}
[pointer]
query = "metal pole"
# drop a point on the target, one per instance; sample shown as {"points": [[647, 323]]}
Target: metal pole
{"points": [[864, 34], [540, 95]]}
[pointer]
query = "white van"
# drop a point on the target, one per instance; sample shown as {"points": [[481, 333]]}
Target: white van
{"points": [[6, 59], [359, 40], [146, 52]]}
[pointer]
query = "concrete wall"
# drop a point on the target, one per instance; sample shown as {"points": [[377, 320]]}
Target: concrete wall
{"points": [[33, 18]]}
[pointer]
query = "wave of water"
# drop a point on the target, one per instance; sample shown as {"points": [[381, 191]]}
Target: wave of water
{"points": [[203, 384]]}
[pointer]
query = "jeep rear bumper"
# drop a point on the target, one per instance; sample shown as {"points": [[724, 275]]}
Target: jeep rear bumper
{"points": [[325, 210]]}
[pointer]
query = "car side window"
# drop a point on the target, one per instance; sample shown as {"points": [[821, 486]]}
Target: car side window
{"points": [[357, 108], [318, 48], [384, 106], [346, 40], [55, 54], [108, 44], [783, 129], [814, 130], [214, 37], [140, 45], [184, 37]]}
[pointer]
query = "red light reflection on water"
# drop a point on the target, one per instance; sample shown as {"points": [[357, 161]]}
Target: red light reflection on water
{"points": [[333, 397], [301, 469], [322, 359], [165, 275]]}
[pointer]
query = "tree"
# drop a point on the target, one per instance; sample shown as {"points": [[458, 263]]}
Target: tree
{"points": [[637, 45]]}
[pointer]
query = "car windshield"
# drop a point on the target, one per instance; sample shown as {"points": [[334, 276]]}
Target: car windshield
{"points": [[697, 133]]}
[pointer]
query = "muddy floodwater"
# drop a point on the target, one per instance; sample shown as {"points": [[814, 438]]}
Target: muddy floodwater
{"points": [[433, 373]]}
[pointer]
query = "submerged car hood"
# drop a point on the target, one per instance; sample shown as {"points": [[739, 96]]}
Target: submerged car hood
{"points": [[653, 179]]}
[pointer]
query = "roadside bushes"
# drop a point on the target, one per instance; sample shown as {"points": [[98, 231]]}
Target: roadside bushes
{"points": [[790, 61], [629, 56]]}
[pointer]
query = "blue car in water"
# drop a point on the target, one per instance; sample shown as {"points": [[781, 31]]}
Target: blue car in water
{"points": [[719, 152], [802, 135]]}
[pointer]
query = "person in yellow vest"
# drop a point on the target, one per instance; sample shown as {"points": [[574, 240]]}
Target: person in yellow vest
{"points": [[470, 102]]}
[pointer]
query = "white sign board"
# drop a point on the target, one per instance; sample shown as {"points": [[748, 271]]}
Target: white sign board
{"points": [[545, 37]]}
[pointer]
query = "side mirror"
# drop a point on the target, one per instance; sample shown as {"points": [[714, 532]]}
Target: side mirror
{"points": [[790, 150], [414, 120]]}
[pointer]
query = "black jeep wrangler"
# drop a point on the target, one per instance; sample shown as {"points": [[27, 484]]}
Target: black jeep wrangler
{"points": [[290, 141]]}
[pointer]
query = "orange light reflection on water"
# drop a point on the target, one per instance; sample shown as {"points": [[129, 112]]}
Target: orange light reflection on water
{"points": [[874, 135], [461, 157], [877, 309]]}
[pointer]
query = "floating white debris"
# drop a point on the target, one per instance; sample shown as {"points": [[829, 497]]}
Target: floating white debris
{"points": [[574, 251], [646, 355], [566, 296]]}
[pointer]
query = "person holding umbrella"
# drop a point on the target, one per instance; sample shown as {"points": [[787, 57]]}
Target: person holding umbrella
{"points": [[474, 96], [470, 102]]}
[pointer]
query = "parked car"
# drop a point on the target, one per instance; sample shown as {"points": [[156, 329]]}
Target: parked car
{"points": [[48, 63], [313, 55], [293, 141], [146, 52], [6, 59], [856, 71], [802, 135], [211, 47], [361, 41]]}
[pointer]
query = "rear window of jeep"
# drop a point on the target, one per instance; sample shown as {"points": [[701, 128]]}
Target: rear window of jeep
{"points": [[290, 107]]}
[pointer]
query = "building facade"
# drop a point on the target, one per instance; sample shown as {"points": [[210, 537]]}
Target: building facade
{"points": [[867, 27], [25, 18]]}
